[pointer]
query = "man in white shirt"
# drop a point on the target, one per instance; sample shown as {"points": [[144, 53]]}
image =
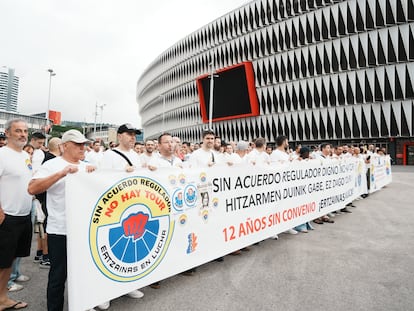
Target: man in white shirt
{"points": [[206, 156], [37, 141], [51, 178], [148, 154], [258, 156], [166, 156], [279, 155], [123, 157], [95, 156], [15, 205]]}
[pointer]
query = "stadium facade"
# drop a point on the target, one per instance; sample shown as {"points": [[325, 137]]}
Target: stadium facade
{"points": [[337, 71]]}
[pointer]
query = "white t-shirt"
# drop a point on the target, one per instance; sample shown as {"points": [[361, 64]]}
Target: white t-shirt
{"points": [[201, 158], [144, 158], [259, 158], [94, 158], [37, 159], [112, 160], [158, 161], [279, 156], [55, 200], [231, 158], [15, 174]]}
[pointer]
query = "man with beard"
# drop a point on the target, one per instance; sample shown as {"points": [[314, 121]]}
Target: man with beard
{"points": [[15, 205]]}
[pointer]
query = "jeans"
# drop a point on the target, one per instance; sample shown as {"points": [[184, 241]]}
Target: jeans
{"points": [[57, 272], [15, 273]]}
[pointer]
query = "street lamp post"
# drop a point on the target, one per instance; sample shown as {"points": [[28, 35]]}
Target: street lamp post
{"points": [[102, 107], [51, 74], [211, 101]]}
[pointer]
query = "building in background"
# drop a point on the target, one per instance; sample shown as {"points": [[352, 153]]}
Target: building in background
{"points": [[9, 89], [324, 70], [35, 123]]}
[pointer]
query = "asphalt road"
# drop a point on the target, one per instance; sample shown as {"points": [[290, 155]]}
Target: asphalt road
{"points": [[364, 261]]}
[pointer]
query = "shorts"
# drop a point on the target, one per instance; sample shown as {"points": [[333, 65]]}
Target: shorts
{"points": [[15, 239]]}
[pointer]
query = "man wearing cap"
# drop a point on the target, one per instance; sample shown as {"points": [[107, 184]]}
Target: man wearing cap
{"points": [[51, 178], [123, 157], [3, 139], [15, 206]]}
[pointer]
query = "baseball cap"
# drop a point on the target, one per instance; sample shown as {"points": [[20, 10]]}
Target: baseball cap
{"points": [[2, 135], [242, 145], [128, 128], [74, 136]]}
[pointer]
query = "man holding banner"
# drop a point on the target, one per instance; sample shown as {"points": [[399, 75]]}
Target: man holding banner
{"points": [[51, 178]]}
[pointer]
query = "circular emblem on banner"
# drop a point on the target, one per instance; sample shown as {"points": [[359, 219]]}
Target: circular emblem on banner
{"points": [[130, 229]]}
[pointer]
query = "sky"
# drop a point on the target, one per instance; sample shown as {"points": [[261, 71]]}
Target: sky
{"points": [[97, 48]]}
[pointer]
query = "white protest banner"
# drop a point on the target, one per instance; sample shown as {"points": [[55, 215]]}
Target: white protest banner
{"points": [[128, 230], [380, 172]]}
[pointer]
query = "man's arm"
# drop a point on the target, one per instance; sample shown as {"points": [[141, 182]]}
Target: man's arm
{"points": [[40, 185]]}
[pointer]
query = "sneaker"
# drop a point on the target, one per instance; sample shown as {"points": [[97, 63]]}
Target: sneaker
{"points": [[15, 287], [22, 278], [135, 294], [331, 214], [291, 231], [38, 258], [275, 237], [44, 264], [105, 305]]}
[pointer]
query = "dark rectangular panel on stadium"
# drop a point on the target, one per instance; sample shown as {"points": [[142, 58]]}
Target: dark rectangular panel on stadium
{"points": [[234, 93]]}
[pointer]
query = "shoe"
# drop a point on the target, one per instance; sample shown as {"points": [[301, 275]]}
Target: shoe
{"points": [[309, 226], [38, 258], [44, 264], [135, 294], [291, 231], [303, 231], [275, 237], [15, 287], [327, 219], [345, 210], [22, 278], [188, 273], [318, 221], [236, 253], [331, 214], [155, 285], [105, 305]]}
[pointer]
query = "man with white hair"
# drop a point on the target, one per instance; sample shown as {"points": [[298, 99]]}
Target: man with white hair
{"points": [[15, 206]]}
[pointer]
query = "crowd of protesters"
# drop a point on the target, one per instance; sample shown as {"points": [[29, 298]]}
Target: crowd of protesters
{"points": [[32, 173]]}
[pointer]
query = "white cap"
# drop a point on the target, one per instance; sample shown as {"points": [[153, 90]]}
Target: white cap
{"points": [[74, 136]]}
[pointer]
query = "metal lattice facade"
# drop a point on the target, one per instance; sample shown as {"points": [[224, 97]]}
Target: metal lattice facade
{"points": [[324, 70]]}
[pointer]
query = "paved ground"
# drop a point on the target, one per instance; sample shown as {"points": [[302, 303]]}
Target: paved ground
{"points": [[365, 261]]}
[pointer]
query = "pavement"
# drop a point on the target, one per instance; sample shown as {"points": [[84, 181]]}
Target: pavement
{"points": [[364, 261]]}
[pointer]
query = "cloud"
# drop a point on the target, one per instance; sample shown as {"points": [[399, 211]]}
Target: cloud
{"points": [[98, 50]]}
